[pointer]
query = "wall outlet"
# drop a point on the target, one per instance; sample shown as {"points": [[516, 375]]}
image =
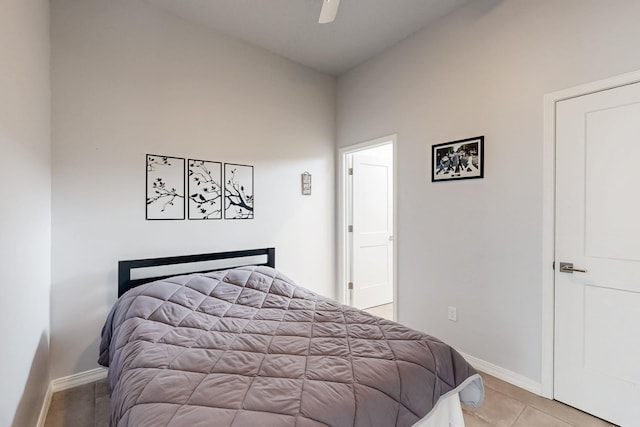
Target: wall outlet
{"points": [[452, 314]]}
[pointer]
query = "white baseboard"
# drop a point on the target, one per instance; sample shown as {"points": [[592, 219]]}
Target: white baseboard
{"points": [[504, 374], [65, 383], [81, 378], [45, 406]]}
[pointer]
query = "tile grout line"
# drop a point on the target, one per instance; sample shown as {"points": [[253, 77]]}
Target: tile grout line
{"points": [[521, 412]]}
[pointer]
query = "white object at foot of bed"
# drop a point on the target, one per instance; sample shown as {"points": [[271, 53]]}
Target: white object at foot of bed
{"points": [[448, 413]]}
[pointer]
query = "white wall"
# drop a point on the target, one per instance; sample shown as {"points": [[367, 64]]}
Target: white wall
{"points": [[129, 79], [25, 234], [481, 71]]}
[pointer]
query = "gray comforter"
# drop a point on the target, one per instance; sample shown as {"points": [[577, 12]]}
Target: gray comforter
{"points": [[248, 347]]}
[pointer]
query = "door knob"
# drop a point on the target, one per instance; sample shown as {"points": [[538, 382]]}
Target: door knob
{"points": [[567, 267]]}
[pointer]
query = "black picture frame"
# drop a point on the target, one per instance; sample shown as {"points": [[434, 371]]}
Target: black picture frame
{"points": [[205, 190], [165, 187], [238, 191], [457, 160]]}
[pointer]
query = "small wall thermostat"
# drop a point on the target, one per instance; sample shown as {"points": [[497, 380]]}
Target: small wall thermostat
{"points": [[306, 184]]}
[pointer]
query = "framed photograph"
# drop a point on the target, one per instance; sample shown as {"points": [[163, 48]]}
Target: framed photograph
{"points": [[205, 189], [463, 159], [238, 191], [165, 187]]}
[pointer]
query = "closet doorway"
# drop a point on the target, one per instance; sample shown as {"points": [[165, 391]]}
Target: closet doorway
{"points": [[367, 226]]}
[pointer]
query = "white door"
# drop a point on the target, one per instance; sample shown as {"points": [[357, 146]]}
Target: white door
{"points": [[372, 244], [597, 312]]}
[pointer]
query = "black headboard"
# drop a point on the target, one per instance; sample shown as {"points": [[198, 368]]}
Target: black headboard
{"points": [[124, 267]]}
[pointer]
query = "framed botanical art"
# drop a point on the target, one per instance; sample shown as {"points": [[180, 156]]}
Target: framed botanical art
{"points": [[205, 189], [165, 187], [462, 159], [238, 191]]}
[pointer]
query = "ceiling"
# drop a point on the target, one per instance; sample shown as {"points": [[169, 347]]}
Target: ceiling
{"points": [[362, 29]]}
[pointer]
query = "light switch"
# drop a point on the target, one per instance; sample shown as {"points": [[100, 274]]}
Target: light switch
{"points": [[306, 184], [452, 314]]}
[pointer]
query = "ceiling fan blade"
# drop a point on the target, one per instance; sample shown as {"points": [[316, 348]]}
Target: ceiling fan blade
{"points": [[328, 11]]}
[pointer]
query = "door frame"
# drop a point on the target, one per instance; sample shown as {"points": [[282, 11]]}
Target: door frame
{"points": [[549, 212], [342, 219]]}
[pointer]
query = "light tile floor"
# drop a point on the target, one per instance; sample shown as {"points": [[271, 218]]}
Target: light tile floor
{"points": [[83, 406], [505, 406], [385, 311]]}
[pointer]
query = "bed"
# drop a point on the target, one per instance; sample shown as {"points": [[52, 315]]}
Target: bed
{"points": [[246, 346]]}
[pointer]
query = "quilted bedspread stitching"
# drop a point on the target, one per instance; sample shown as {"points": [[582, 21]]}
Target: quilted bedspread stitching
{"points": [[248, 343]]}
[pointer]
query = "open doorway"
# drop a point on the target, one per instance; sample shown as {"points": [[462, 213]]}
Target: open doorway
{"points": [[367, 226]]}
